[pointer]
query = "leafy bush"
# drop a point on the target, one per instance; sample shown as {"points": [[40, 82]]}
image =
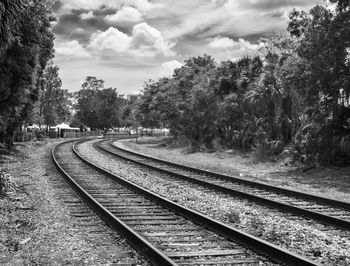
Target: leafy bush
{"points": [[334, 146], [305, 144], [326, 145], [3, 148], [6, 184], [40, 134]]}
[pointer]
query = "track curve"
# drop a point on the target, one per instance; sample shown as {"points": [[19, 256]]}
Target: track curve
{"points": [[166, 232], [327, 211]]}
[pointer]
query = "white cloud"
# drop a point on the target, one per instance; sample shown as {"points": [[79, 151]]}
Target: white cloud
{"points": [[112, 39], [149, 40], [169, 66], [144, 41], [87, 15], [247, 45], [221, 43], [79, 30], [224, 48], [201, 18], [226, 43], [125, 15], [142, 5], [239, 17], [83, 4], [71, 48]]}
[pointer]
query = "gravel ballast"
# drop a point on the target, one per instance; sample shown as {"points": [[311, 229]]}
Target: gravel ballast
{"points": [[332, 182], [325, 247]]}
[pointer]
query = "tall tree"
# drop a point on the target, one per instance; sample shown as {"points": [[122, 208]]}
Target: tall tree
{"points": [[22, 65], [54, 102], [98, 107], [323, 36], [10, 13], [86, 101], [108, 108], [129, 113], [324, 40]]}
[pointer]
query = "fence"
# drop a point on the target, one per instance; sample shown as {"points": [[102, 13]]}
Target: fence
{"points": [[82, 134], [119, 136]]}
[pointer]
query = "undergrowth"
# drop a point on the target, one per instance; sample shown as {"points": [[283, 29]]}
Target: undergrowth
{"points": [[7, 184]]}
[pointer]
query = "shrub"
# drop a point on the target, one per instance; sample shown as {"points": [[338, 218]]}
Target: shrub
{"points": [[6, 184]]}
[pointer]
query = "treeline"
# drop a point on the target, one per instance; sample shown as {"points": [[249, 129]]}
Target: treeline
{"points": [[26, 45], [292, 98]]}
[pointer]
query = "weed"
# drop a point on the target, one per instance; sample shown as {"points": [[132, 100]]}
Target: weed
{"points": [[233, 217], [6, 184], [256, 225]]}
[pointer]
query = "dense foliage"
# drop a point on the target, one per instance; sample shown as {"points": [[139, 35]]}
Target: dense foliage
{"points": [[294, 97], [98, 107], [26, 45], [54, 105], [9, 10]]}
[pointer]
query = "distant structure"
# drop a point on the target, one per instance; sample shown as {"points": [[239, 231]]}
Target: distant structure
{"points": [[131, 97]]}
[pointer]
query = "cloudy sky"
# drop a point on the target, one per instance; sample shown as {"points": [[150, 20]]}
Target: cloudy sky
{"points": [[127, 42]]}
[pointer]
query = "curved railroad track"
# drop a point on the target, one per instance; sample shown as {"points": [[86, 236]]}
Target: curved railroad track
{"points": [[327, 211], [167, 233]]}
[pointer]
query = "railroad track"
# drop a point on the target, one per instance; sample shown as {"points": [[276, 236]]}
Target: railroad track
{"points": [[167, 233], [327, 211]]}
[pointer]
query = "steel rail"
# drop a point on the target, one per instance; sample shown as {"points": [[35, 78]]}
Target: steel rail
{"points": [[325, 219], [291, 192], [260, 246], [138, 242]]}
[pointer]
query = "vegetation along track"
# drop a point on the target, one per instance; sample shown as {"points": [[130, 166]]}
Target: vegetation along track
{"points": [[167, 233], [327, 211]]}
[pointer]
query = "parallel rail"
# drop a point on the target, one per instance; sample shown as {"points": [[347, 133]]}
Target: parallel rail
{"points": [[142, 217], [327, 211], [139, 243]]}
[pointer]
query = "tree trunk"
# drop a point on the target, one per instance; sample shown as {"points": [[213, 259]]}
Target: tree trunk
{"points": [[335, 110], [8, 140]]}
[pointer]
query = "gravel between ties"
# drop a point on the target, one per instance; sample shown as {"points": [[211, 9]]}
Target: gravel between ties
{"points": [[322, 246]]}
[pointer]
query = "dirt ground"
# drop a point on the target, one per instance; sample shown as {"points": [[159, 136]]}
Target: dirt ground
{"points": [[328, 182], [37, 226]]}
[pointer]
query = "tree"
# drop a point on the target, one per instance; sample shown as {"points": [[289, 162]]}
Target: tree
{"points": [[54, 102], [98, 107], [235, 79], [181, 102], [108, 108], [151, 112], [342, 5], [10, 12], [323, 45], [129, 113], [323, 37], [295, 96], [86, 101], [22, 65]]}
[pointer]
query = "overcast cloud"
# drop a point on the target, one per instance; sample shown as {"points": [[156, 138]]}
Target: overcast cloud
{"points": [[127, 42]]}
